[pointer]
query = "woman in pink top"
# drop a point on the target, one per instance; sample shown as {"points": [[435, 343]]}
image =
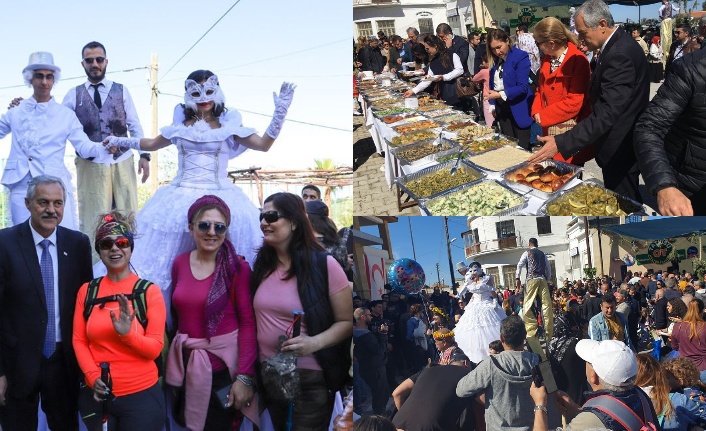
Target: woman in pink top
{"points": [[215, 346], [292, 272], [689, 337], [483, 76]]}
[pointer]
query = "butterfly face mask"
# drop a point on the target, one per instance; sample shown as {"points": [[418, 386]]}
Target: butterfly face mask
{"points": [[197, 93]]}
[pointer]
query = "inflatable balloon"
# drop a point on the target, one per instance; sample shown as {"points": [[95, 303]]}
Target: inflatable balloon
{"points": [[406, 276]]}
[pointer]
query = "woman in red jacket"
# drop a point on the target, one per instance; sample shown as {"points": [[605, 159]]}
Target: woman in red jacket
{"points": [[564, 77]]}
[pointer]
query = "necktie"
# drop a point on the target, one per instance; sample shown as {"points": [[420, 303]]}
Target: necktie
{"points": [[96, 95], [48, 279]]}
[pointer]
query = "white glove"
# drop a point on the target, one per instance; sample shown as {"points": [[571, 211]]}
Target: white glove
{"points": [[282, 102], [117, 146]]}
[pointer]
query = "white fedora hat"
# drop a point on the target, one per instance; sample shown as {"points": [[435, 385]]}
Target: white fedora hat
{"points": [[41, 60]]}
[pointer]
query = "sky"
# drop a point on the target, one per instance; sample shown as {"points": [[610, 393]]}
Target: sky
{"points": [[623, 13], [429, 243], [253, 49]]}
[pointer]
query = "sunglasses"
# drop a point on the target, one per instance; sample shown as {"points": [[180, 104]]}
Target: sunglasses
{"points": [[205, 227], [271, 216], [107, 243], [89, 60]]}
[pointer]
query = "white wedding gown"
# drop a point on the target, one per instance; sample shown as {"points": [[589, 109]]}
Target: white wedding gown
{"points": [[162, 225], [480, 323]]}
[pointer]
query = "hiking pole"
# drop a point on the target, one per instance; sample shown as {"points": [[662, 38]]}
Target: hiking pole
{"points": [[296, 331], [105, 376]]}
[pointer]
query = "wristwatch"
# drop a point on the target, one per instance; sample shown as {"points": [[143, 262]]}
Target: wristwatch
{"points": [[147, 156], [542, 408]]}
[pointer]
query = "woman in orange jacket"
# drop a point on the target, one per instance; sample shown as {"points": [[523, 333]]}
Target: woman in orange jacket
{"points": [[564, 78]]}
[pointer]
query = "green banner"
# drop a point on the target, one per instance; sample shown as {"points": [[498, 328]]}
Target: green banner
{"points": [[659, 250]]}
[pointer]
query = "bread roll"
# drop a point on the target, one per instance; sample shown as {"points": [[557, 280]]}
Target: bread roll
{"points": [[546, 177], [537, 184], [557, 184], [532, 177], [546, 187]]}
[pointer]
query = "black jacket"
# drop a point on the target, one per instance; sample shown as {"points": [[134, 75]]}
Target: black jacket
{"points": [[661, 321], [394, 55], [369, 349], [372, 59], [460, 47], [619, 92], [23, 308], [670, 135]]}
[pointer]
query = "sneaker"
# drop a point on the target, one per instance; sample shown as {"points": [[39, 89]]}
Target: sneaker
{"points": [[357, 113]]}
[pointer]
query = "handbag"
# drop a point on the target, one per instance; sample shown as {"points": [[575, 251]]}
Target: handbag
{"points": [[465, 87], [560, 128]]}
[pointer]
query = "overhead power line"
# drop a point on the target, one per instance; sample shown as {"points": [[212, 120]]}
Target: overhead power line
{"points": [[81, 77], [199, 40], [270, 115]]}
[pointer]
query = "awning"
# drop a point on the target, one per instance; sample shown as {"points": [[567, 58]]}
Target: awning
{"points": [[542, 3], [671, 227]]}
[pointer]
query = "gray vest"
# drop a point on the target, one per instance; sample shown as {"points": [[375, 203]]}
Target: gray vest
{"points": [[536, 264], [110, 119]]}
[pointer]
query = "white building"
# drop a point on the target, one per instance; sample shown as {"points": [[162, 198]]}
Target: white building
{"points": [[395, 16], [498, 243]]}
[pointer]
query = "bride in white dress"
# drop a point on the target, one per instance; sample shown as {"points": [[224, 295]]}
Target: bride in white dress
{"points": [[206, 139], [480, 323]]}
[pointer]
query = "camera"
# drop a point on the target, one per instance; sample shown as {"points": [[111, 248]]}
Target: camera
{"points": [[375, 327]]}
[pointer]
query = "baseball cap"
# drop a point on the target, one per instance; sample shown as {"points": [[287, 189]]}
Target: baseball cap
{"points": [[612, 360], [317, 208]]}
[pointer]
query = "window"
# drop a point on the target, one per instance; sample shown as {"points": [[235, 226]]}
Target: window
{"points": [[387, 26], [475, 235], [544, 225], [509, 276], [505, 229], [426, 26], [494, 272], [365, 28]]}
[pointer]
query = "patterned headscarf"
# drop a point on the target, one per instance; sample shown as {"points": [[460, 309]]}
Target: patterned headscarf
{"points": [[226, 267], [111, 226]]}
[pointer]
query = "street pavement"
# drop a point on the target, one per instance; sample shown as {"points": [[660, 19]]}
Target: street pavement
{"points": [[371, 195]]}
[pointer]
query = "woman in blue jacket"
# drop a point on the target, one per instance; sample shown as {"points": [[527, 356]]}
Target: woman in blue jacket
{"points": [[509, 86]]}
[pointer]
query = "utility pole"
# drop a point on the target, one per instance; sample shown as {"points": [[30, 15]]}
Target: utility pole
{"points": [[448, 250], [438, 277], [600, 243], [154, 164], [414, 252], [588, 242]]}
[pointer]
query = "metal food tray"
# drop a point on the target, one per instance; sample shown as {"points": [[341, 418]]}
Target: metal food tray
{"points": [[377, 114], [506, 212], [562, 166], [435, 137], [460, 141], [436, 128], [462, 165], [399, 104], [494, 149], [438, 113], [543, 209], [426, 159]]}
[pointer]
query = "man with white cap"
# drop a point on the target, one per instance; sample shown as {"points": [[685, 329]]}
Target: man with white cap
{"points": [[40, 128], [615, 403]]}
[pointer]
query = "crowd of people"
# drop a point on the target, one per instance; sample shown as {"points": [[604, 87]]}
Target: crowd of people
{"points": [[193, 300], [579, 92], [601, 339]]}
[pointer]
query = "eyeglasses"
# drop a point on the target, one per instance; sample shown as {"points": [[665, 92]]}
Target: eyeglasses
{"points": [[271, 216], [89, 60], [205, 227], [41, 76], [107, 243]]}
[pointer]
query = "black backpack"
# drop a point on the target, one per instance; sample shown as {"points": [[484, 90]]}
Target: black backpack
{"points": [[139, 304]]}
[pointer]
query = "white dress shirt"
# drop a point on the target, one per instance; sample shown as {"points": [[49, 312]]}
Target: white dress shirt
{"points": [[37, 238], [458, 71], [131, 118]]}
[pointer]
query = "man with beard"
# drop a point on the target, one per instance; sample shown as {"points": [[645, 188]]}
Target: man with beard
{"points": [[105, 108]]}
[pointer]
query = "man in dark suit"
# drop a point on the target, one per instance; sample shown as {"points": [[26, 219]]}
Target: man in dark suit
{"points": [[619, 92], [38, 285]]}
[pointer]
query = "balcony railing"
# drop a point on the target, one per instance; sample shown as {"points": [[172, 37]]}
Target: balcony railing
{"points": [[374, 2], [492, 245]]}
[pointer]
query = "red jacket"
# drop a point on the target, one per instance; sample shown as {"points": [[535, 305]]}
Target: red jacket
{"points": [[563, 95]]}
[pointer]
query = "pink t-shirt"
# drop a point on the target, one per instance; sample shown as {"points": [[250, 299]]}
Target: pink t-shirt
{"points": [[189, 300], [483, 75], [274, 301]]}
